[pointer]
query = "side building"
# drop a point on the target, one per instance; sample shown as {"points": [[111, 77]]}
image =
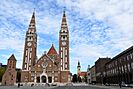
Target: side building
{"points": [[100, 69], [120, 68], [9, 77], [92, 75]]}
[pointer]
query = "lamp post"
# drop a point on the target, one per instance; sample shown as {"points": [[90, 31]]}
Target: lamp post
{"points": [[102, 79]]}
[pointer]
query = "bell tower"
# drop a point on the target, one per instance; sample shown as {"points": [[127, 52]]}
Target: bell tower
{"points": [[64, 44], [64, 50], [29, 56], [78, 68]]}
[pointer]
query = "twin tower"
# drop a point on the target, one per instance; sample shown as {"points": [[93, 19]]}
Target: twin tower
{"points": [[52, 66]]}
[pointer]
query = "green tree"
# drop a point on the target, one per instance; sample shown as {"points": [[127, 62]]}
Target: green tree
{"points": [[74, 79], [79, 79], [85, 78], [2, 71]]}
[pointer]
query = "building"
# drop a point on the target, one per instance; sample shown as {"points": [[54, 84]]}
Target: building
{"points": [[88, 75], [92, 75], [52, 66], [100, 69], [120, 68], [81, 74], [9, 77]]}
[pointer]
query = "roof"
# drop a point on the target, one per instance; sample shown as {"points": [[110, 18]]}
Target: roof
{"points": [[64, 18], [78, 64], [33, 18], [121, 54], [12, 57], [103, 59], [52, 50], [82, 73]]}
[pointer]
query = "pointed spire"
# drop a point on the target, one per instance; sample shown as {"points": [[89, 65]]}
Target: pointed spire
{"points": [[64, 17], [32, 22], [78, 63], [52, 50], [33, 18], [12, 57]]}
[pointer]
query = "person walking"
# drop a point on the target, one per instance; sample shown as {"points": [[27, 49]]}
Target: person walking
{"points": [[120, 84]]}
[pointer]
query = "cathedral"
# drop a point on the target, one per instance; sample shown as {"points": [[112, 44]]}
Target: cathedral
{"points": [[52, 66]]}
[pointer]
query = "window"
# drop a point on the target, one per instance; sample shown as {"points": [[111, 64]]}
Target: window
{"points": [[30, 54], [127, 57], [26, 52], [38, 65], [116, 63], [30, 62], [25, 59], [131, 55], [66, 52], [132, 65], [120, 60], [25, 66], [66, 59], [125, 68], [61, 54], [61, 61], [66, 66], [29, 68], [122, 69], [128, 67], [63, 37], [30, 49]]}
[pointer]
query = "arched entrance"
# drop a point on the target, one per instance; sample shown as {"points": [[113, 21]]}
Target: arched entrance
{"points": [[43, 79]]}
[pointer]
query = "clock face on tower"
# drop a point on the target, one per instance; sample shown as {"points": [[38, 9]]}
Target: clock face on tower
{"points": [[29, 44], [63, 43]]}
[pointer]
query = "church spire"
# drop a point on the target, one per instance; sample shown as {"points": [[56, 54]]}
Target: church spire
{"points": [[32, 22], [64, 22], [78, 64]]}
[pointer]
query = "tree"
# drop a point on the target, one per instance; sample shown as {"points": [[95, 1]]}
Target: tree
{"points": [[2, 71], [74, 79], [79, 79], [85, 78]]}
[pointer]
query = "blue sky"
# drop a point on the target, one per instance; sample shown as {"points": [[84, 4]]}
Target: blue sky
{"points": [[98, 28]]}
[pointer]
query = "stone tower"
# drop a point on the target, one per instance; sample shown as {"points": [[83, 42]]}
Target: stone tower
{"points": [[64, 49], [78, 68], [29, 56], [9, 77]]}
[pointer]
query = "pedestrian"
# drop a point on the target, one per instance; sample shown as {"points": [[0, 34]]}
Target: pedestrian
{"points": [[120, 84], [18, 85]]}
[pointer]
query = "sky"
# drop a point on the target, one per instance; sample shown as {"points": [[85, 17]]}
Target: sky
{"points": [[97, 28]]}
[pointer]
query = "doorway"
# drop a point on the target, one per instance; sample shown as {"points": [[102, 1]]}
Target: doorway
{"points": [[43, 78], [49, 79]]}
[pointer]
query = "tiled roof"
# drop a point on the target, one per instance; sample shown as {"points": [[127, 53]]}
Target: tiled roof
{"points": [[82, 73], [12, 57], [52, 50]]}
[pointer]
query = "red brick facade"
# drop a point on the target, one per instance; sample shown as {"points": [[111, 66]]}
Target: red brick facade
{"points": [[9, 77], [51, 67]]}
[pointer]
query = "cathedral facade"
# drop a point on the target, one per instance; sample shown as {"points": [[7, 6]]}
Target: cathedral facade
{"points": [[52, 66]]}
